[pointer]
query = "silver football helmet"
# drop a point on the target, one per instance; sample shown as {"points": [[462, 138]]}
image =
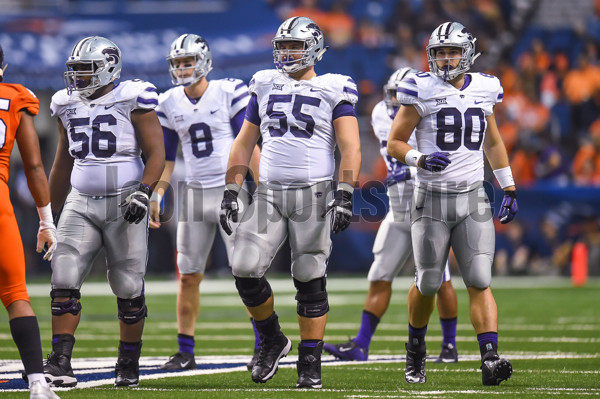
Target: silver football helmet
{"points": [[391, 87], [451, 34], [94, 62], [189, 45], [299, 29]]}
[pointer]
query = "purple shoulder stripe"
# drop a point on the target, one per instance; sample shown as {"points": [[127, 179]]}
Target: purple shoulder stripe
{"points": [[153, 89], [240, 85], [407, 91], [500, 96], [238, 98], [351, 91], [147, 102], [410, 80], [161, 114]]}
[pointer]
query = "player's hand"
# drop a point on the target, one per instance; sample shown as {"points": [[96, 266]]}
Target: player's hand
{"points": [[435, 162], [229, 207], [136, 204], [46, 236], [341, 206], [509, 207], [398, 175], [154, 214]]}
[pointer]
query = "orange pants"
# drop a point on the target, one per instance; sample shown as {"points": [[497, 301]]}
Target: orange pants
{"points": [[12, 257]]}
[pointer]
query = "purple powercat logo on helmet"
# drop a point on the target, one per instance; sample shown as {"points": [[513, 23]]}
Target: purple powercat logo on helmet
{"points": [[315, 30], [112, 54], [465, 30]]}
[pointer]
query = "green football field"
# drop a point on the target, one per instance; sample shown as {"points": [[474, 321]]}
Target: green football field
{"points": [[548, 329]]}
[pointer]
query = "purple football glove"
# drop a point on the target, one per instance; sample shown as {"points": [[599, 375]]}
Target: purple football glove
{"points": [[435, 162], [398, 175], [509, 207]]}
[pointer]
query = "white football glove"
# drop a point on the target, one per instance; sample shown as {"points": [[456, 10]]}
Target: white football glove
{"points": [[46, 232]]}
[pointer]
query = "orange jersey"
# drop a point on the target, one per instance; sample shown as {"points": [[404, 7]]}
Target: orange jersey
{"points": [[13, 99]]}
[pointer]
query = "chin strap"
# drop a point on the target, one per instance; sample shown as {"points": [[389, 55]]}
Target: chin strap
{"points": [[320, 55]]}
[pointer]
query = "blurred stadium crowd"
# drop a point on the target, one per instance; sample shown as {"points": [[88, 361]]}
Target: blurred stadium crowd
{"points": [[545, 52]]}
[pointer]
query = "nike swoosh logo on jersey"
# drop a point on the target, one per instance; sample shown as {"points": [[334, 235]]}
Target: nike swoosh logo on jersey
{"points": [[212, 112], [478, 101], [183, 364], [315, 90], [109, 106]]}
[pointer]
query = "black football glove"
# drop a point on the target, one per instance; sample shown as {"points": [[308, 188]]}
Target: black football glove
{"points": [[136, 204], [341, 206], [229, 207]]}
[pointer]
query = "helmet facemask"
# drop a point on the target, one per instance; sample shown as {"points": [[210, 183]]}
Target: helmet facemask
{"points": [[178, 74], [291, 61], [446, 71]]}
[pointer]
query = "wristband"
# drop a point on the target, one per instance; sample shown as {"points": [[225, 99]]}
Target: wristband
{"points": [[412, 158], [156, 197], [504, 177], [45, 214], [346, 187], [233, 187]]}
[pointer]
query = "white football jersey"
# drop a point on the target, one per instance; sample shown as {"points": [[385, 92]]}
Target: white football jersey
{"points": [[296, 125], [204, 127], [102, 138], [381, 120], [453, 121]]}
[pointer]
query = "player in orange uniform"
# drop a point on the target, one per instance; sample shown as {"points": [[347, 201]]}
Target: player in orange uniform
{"points": [[18, 105]]}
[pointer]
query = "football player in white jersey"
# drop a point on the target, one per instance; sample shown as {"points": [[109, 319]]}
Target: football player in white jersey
{"points": [[453, 113], [301, 117], [104, 128], [393, 246], [205, 116]]}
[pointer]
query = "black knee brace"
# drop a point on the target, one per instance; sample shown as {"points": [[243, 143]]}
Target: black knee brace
{"points": [[312, 298], [132, 310], [72, 305], [253, 291]]}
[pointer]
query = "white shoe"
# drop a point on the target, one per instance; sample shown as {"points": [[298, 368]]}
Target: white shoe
{"points": [[37, 391]]}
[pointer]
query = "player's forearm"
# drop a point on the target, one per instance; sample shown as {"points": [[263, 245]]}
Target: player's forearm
{"points": [[350, 166], [239, 160], [60, 185], [155, 164], [397, 149], [254, 164], [496, 155], [165, 179], [38, 185]]}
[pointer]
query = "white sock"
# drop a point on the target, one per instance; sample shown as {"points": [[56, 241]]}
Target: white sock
{"points": [[37, 377]]}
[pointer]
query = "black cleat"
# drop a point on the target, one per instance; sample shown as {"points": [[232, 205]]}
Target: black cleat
{"points": [[58, 370], [495, 369], [127, 369], [271, 351], [448, 354], [127, 372], [309, 366], [180, 361], [347, 351], [252, 361], [415, 365]]}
